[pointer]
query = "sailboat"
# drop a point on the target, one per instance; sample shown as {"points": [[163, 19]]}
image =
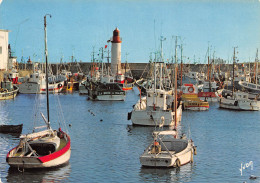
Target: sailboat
{"points": [[238, 100], [45, 148]]}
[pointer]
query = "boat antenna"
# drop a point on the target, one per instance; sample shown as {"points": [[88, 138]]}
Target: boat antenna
{"points": [[46, 68]]}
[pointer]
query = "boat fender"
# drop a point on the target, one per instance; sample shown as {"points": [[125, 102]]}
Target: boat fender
{"points": [[191, 89], [178, 163], [236, 102], [195, 150], [129, 115], [191, 158]]}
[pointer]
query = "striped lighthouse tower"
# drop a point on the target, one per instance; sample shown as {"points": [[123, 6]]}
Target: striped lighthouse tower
{"points": [[116, 53]]}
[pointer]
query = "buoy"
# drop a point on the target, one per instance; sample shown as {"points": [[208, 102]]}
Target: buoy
{"points": [[101, 120], [70, 125]]}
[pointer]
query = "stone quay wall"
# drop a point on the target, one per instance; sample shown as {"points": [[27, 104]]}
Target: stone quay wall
{"points": [[138, 70]]}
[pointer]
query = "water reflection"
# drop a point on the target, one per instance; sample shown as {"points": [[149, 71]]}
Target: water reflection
{"points": [[59, 174], [182, 174]]}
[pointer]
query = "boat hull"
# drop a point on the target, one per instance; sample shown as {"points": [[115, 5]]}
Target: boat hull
{"points": [[36, 88], [11, 128], [153, 118], [9, 95], [166, 160], [244, 105], [55, 159]]}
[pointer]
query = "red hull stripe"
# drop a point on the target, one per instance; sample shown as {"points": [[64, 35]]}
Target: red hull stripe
{"points": [[52, 89], [57, 154], [207, 94], [7, 156]]}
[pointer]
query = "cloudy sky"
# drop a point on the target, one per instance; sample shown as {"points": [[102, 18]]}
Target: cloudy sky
{"points": [[79, 26]]}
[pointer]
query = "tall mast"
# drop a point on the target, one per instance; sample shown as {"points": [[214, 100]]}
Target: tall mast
{"points": [[175, 97], [181, 63], [154, 88], [46, 68], [256, 65], [233, 80]]}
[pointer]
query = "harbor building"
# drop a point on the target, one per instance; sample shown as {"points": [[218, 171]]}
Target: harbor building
{"points": [[4, 49]]}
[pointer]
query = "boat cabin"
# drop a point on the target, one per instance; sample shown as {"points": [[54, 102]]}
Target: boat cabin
{"points": [[159, 98]]}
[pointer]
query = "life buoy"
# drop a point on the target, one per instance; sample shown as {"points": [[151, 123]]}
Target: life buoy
{"points": [[191, 89]]}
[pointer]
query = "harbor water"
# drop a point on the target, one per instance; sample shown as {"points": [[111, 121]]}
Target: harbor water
{"points": [[106, 149]]}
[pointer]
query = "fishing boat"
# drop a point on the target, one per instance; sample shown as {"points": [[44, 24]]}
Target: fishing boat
{"points": [[45, 148], [8, 90], [158, 103], [167, 151], [149, 110], [209, 91], [191, 101], [37, 84], [106, 91], [250, 87], [17, 129], [238, 100]]}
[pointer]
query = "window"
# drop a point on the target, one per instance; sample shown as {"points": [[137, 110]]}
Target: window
{"points": [[0, 50]]}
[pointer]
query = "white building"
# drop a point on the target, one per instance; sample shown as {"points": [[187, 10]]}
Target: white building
{"points": [[3, 49]]}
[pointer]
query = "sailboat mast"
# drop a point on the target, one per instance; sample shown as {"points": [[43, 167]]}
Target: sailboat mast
{"points": [[46, 68]]}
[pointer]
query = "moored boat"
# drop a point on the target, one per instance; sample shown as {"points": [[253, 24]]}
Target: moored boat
{"points": [[238, 101], [8, 90], [190, 98], [11, 128], [106, 91], [45, 148], [167, 151]]}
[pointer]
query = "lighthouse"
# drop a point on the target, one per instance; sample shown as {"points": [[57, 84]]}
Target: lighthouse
{"points": [[116, 53]]}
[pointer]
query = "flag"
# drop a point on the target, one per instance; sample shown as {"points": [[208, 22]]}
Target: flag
{"points": [[105, 46]]}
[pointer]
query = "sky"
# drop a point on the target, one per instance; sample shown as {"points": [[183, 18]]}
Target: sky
{"points": [[77, 27]]}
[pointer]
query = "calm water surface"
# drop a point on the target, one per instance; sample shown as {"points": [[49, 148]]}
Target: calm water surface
{"points": [[103, 150]]}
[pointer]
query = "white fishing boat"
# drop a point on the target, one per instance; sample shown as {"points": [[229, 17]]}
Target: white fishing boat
{"points": [[37, 84], [8, 90], [158, 103], [239, 101], [42, 149], [149, 110], [167, 151]]}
